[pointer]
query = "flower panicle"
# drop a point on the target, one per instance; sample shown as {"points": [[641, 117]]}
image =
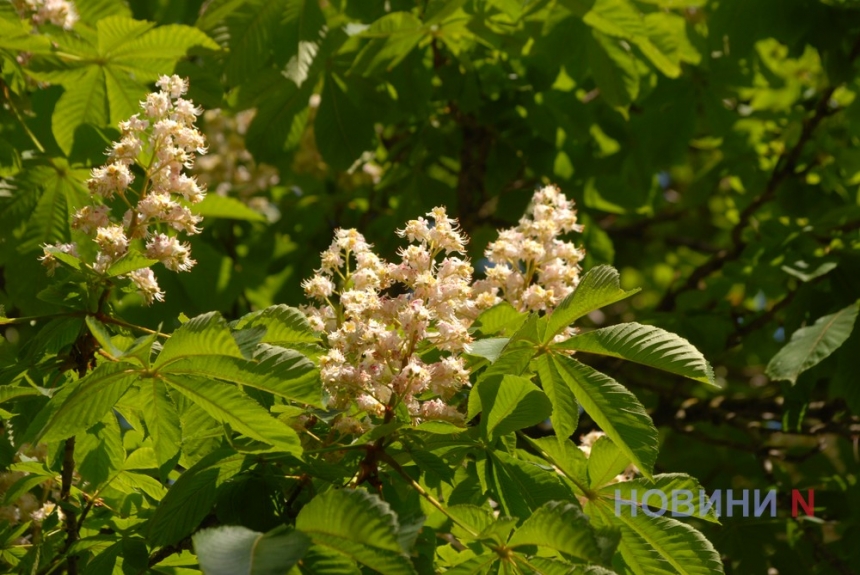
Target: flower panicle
{"points": [[375, 359], [162, 142]]}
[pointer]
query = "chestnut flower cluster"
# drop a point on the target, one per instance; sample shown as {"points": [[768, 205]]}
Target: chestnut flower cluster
{"points": [[57, 12], [375, 339], [162, 142], [533, 269]]}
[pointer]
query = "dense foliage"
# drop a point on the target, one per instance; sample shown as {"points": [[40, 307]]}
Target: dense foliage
{"points": [[450, 398]]}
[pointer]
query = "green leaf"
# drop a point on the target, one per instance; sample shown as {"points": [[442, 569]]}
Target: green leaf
{"points": [[559, 526], [226, 404], [99, 451], [614, 70], [617, 411], [282, 372], [251, 32], [191, 498], [206, 334], [521, 487], [812, 344], [565, 410], [90, 400], [511, 403], [285, 326], [501, 319], [218, 206], [301, 32], [162, 423], [343, 130], [393, 37], [658, 545], [489, 348], [85, 103], [666, 483], [605, 462], [357, 524], [131, 261], [598, 288], [647, 345], [567, 457], [61, 193], [235, 550]]}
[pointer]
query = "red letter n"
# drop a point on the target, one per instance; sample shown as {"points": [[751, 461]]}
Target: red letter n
{"points": [[807, 506]]}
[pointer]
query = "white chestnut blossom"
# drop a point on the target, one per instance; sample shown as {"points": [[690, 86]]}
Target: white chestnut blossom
{"points": [[375, 339], [531, 267], [163, 143], [60, 13]]}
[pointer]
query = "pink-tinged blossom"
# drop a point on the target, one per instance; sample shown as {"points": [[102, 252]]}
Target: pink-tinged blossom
{"points": [[175, 255], [90, 218], [162, 142], [144, 281]]}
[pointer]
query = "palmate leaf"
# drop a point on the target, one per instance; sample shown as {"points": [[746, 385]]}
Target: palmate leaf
{"points": [[106, 72], [359, 525], [60, 192], [617, 411], [205, 335], [282, 372], [599, 287], [285, 325], [88, 400], [647, 345], [520, 486], [567, 457], [227, 404], [559, 526], [393, 37], [235, 550], [812, 344]]}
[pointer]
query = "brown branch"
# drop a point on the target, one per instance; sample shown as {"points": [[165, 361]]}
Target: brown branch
{"points": [[68, 509]]}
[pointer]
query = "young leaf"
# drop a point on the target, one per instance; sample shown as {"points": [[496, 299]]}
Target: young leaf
{"points": [[236, 550], [617, 411], [647, 345], [812, 344], [357, 524], [599, 287]]}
